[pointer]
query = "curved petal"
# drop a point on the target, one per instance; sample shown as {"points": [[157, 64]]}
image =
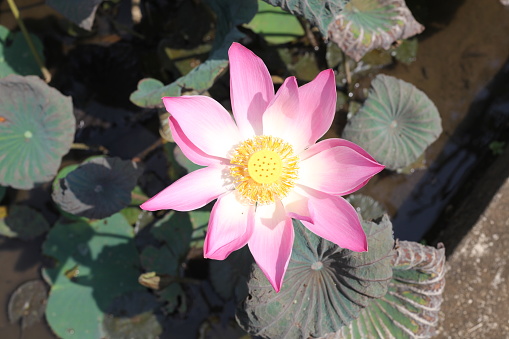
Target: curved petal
{"points": [[230, 227], [190, 150], [318, 106], [336, 220], [330, 143], [251, 89], [271, 242], [339, 170], [296, 205], [282, 116], [190, 192], [205, 123]]}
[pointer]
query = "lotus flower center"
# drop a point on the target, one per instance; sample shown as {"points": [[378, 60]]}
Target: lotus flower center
{"points": [[265, 166], [264, 169]]}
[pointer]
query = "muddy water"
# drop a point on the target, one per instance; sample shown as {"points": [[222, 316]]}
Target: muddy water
{"points": [[463, 49], [20, 262], [455, 62]]}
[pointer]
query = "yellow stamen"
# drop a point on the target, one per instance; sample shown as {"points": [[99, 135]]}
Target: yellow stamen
{"points": [[264, 169]]}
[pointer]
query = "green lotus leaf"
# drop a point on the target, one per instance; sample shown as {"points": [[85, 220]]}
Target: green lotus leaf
{"points": [[133, 211], [81, 12], [98, 188], [396, 123], [410, 309], [174, 230], [131, 316], [28, 303], [364, 25], [23, 222], [15, 55], [275, 25], [95, 263], [36, 129], [325, 286], [200, 221], [322, 14], [184, 161], [369, 208], [230, 14]]}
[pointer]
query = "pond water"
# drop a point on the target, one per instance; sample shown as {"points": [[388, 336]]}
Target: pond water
{"points": [[465, 45]]}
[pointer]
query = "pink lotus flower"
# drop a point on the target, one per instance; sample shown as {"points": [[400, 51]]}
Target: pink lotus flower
{"points": [[265, 167]]}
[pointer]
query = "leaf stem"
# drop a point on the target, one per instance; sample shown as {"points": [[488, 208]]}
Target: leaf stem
{"points": [[14, 9]]}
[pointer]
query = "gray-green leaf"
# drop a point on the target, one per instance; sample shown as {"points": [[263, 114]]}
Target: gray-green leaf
{"points": [[396, 123], [364, 25], [410, 309], [325, 286], [37, 128]]}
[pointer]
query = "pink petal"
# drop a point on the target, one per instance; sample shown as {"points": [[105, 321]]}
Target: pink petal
{"points": [[271, 242], [205, 123], [339, 170], [296, 205], [282, 118], [230, 227], [190, 192], [318, 106], [336, 220], [330, 143], [251, 89], [192, 152]]}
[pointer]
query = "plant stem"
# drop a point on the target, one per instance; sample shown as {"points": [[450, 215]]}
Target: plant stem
{"points": [[14, 9], [140, 156]]}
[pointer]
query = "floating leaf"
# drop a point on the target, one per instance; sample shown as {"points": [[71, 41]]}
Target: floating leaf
{"points": [[174, 229], [406, 52], [396, 123], [131, 316], [98, 188], [184, 161], [95, 262], [230, 13], [364, 25], [36, 129], [410, 309], [369, 208], [23, 222], [28, 303], [15, 55], [325, 286], [320, 13], [275, 25], [133, 211], [200, 221], [81, 12]]}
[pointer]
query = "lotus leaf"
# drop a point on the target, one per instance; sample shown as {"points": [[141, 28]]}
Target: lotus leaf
{"points": [[275, 25], [28, 303], [410, 309], [36, 129], [364, 25], [98, 188], [81, 12], [15, 55], [23, 222], [95, 263], [325, 286], [131, 316], [396, 123]]}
